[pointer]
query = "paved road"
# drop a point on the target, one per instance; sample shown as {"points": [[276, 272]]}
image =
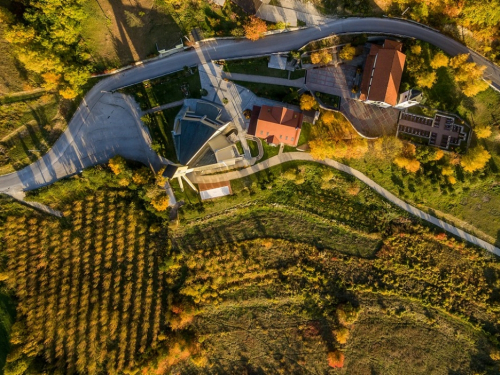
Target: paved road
{"points": [[73, 151], [300, 156]]}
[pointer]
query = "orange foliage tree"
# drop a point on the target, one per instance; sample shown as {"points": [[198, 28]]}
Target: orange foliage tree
{"points": [[255, 28], [336, 359]]}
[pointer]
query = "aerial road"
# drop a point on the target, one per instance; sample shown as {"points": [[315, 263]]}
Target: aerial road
{"points": [[106, 124]]}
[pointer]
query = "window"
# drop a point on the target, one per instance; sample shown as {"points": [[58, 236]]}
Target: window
{"points": [[281, 136], [261, 132], [286, 138], [292, 138], [267, 133]]}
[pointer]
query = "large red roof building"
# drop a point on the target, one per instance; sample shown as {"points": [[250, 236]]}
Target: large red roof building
{"points": [[276, 124], [382, 75]]}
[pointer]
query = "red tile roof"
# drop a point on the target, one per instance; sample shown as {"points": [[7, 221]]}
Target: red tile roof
{"points": [[281, 123], [383, 71]]}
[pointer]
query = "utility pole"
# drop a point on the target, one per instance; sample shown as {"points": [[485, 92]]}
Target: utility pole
{"points": [[406, 10]]}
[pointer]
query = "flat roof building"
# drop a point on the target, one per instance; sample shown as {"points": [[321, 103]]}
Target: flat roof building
{"points": [[441, 131]]}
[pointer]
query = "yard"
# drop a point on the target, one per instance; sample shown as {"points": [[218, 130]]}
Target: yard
{"points": [[166, 89], [329, 100], [160, 125], [283, 94]]}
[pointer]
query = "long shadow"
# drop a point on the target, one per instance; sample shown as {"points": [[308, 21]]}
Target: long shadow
{"points": [[138, 30]]}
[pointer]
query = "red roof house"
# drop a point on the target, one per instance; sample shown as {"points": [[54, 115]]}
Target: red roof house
{"points": [[382, 75], [276, 124]]}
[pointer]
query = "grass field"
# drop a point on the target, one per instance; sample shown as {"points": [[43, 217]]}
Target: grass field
{"points": [[119, 32], [28, 128]]}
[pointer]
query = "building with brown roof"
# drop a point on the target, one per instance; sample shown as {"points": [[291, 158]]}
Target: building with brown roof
{"points": [[382, 74], [276, 124]]}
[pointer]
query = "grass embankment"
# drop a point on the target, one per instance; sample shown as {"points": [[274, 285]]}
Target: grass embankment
{"points": [[166, 89], [160, 125], [28, 128]]}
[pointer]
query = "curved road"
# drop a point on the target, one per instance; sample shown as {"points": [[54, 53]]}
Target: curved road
{"points": [[300, 156], [74, 150]]}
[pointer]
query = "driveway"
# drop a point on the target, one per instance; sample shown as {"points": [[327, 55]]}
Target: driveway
{"points": [[77, 148]]}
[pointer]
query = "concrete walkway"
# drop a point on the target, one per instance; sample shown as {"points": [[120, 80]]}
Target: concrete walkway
{"points": [[299, 156], [164, 106]]}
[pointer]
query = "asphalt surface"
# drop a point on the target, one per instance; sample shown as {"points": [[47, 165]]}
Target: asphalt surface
{"points": [[73, 151]]}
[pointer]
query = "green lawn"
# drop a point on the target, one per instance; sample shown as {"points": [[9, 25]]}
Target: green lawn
{"points": [[332, 101], [279, 93], [166, 89], [254, 148], [254, 66], [160, 125]]}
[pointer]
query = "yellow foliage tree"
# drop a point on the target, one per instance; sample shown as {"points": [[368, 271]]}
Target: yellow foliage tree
{"points": [[117, 164], [321, 57], [386, 147], [426, 79], [468, 75], [411, 165], [447, 170], [475, 159], [141, 176], [255, 28], [439, 60], [327, 117], [307, 102], [483, 131], [342, 335], [160, 202], [416, 49], [438, 155], [347, 53], [68, 93]]}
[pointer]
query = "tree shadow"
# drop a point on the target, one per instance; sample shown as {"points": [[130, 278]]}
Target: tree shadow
{"points": [[142, 31]]}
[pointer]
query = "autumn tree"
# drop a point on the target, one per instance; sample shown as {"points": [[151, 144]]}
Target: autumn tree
{"points": [[323, 56], [439, 60], [475, 159], [255, 28], [426, 79], [160, 202], [468, 75], [117, 164], [48, 43], [386, 147], [483, 131], [307, 102], [416, 49], [406, 159], [347, 53], [336, 359]]}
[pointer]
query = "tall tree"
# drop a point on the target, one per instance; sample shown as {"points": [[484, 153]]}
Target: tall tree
{"points": [[255, 28]]}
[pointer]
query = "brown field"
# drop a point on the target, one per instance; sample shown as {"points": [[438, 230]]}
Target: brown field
{"points": [[119, 32]]}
